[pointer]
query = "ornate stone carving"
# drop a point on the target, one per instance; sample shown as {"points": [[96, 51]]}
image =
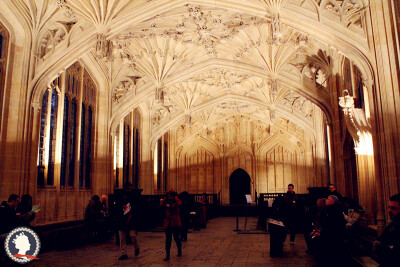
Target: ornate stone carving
{"points": [[51, 39], [276, 34], [260, 132], [103, 47], [269, 46], [219, 78], [273, 6], [186, 95], [349, 12], [298, 104], [126, 86], [159, 113], [196, 26], [318, 68], [188, 120], [356, 122]]}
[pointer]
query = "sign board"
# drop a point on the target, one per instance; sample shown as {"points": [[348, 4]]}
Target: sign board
{"points": [[248, 199]]}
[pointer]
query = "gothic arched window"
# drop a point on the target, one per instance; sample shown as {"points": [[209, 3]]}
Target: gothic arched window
{"points": [[52, 136], [88, 147], [42, 132], [72, 143], [67, 135], [64, 142], [82, 147]]}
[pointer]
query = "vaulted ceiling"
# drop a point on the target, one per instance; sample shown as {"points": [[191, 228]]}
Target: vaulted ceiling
{"points": [[202, 62]]}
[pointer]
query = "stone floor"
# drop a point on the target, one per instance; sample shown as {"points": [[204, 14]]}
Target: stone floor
{"points": [[218, 245]]}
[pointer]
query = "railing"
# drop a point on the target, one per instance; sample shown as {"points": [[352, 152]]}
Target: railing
{"points": [[154, 200], [212, 198], [268, 197], [265, 196]]}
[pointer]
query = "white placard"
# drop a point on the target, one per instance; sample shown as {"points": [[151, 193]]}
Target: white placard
{"points": [[248, 199]]}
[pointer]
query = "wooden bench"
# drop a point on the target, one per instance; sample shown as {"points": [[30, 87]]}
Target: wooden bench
{"points": [[63, 235], [360, 246]]}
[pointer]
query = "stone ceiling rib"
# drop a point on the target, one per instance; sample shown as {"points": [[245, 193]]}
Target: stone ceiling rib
{"points": [[177, 118], [309, 91], [169, 43], [248, 6]]}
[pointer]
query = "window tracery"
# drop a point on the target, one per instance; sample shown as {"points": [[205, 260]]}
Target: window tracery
{"points": [[75, 108]]}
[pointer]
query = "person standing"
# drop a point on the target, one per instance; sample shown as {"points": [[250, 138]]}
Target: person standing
{"points": [[290, 210], [185, 215], [330, 235], [103, 201], [127, 227], [388, 244], [334, 192], [172, 222], [24, 208], [203, 214], [9, 217]]}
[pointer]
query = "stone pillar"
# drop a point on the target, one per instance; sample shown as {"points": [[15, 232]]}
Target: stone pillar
{"points": [[172, 161], [384, 40], [360, 129], [336, 86], [102, 142], [59, 127], [35, 115], [59, 134], [120, 153], [78, 141], [131, 144], [366, 184], [146, 169], [322, 173]]}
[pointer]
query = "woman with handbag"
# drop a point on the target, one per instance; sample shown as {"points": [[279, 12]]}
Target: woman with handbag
{"points": [[172, 222]]}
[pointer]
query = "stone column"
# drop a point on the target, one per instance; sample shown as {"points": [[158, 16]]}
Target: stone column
{"points": [[360, 130], [146, 169], [385, 95], [172, 161], [102, 141], [322, 173], [131, 144], [31, 187], [78, 140], [120, 153]]}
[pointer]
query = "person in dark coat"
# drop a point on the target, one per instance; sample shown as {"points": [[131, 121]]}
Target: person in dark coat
{"points": [[95, 220], [104, 209], [388, 244], [93, 214], [290, 200], [334, 192], [172, 222], [185, 215], [330, 234], [24, 209], [203, 214], [127, 227], [9, 217]]}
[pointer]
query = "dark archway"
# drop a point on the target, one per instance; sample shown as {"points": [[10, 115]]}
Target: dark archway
{"points": [[239, 186]]}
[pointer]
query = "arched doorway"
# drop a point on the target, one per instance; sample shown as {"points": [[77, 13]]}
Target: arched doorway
{"points": [[239, 186]]}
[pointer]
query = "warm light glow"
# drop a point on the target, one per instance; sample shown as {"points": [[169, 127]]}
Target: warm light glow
{"points": [[115, 153], [328, 138], [365, 146], [155, 163], [366, 103]]}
